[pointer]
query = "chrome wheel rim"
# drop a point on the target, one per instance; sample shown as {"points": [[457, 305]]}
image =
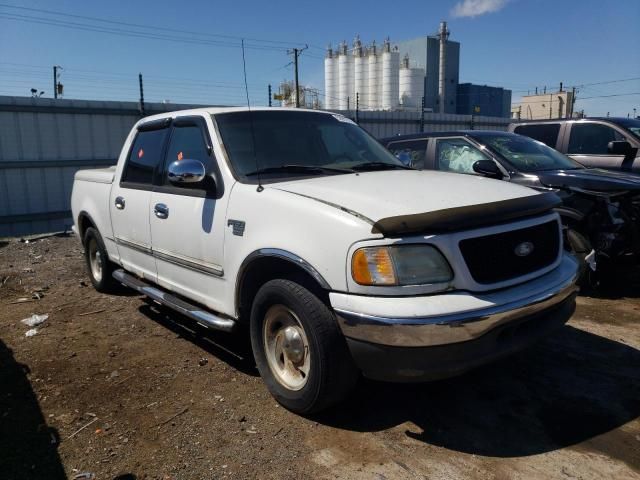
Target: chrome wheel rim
{"points": [[95, 260], [286, 347]]}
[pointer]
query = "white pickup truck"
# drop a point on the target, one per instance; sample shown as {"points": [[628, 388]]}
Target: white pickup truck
{"points": [[299, 228]]}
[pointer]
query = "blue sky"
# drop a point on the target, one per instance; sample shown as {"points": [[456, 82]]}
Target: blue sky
{"points": [[518, 44]]}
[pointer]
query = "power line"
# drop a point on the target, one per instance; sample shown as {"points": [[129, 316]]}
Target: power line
{"points": [[134, 34], [149, 27]]}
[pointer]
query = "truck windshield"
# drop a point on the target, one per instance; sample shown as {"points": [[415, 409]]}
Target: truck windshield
{"points": [[277, 144], [526, 154]]}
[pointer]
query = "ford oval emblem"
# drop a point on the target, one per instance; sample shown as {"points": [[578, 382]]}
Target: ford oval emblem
{"points": [[524, 249]]}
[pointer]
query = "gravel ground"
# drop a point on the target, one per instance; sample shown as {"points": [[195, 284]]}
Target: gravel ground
{"points": [[116, 387]]}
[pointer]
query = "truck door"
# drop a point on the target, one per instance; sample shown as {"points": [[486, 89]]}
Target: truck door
{"points": [[131, 195], [187, 220], [588, 144]]}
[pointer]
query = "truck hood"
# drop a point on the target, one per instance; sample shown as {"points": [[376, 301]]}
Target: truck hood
{"points": [[594, 179], [404, 201]]}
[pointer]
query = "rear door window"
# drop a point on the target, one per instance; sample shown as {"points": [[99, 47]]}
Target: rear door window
{"points": [[411, 153], [457, 155], [546, 133], [145, 157], [591, 138]]}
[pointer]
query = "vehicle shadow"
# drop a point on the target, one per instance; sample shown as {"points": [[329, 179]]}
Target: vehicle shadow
{"points": [[561, 392], [28, 447], [233, 349], [620, 284]]}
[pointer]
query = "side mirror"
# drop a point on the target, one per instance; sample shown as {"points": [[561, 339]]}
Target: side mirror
{"points": [[488, 168], [621, 147], [186, 171]]}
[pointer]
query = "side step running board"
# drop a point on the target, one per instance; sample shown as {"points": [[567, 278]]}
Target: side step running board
{"points": [[201, 316]]}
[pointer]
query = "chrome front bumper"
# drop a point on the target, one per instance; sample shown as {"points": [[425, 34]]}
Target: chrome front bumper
{"points": [[509, 305]]}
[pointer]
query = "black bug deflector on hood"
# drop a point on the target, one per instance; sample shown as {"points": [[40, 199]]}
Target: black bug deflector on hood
{"points": [[464, 218]]}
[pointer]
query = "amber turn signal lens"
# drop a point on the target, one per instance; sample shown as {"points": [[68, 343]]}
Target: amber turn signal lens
{"points": [[373, 266]]}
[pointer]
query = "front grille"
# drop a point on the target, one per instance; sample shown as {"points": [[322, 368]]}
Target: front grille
{"points": [[493, 258]]}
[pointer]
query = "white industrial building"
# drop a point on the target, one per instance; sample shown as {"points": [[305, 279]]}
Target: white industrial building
{"points": [[372, 79]]}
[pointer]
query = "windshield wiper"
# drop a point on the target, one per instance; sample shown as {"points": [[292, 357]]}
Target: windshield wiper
{"points": [[314, 169], [379, 166]]}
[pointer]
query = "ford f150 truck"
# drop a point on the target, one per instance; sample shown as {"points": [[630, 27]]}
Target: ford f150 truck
{"points": [[301, 229]]}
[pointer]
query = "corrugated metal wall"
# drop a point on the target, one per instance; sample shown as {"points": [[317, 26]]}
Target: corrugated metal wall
{"points": [[43, 142], [388, 124]]}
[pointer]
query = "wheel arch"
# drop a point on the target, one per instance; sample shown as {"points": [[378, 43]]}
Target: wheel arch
{"points": [[268, 264], [84, 222]]}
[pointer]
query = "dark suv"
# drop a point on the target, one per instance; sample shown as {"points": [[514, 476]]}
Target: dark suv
{"points": [[611, 143], [600, 210]]}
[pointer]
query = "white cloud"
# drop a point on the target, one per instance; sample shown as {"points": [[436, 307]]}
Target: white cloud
{"points": [[474, 8]]}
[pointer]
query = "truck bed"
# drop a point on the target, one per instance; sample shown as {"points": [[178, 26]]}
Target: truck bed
{"points": [[96, 175]]}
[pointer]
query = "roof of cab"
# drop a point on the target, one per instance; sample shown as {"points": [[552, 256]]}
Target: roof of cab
{"points": [[219, 110]]}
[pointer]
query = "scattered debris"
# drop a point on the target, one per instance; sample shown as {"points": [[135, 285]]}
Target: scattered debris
{"points": [[203, 361], [20, 300], [82, 428], [184, 410], [34, 320], [91, 313], [31, 333], [84, 476]]}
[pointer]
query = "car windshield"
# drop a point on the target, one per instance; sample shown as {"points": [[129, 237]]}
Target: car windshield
{"points": [[630, 124], [273, 144], [526, 154]]}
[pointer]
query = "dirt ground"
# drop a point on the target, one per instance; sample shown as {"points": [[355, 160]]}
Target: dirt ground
{"points": [[116, 387]]}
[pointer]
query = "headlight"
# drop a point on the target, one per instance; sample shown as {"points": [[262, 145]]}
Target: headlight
{"points": [[399, 265]]}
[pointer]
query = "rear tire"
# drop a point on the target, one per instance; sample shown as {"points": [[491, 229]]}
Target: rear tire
{"points": [[99, 267], [300, 352]]}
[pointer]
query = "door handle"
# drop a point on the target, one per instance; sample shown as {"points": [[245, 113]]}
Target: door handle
{"points": [[161, 210], [119, 203]]}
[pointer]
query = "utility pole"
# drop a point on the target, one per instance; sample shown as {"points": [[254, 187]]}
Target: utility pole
{"points": [[422, 116], [56, 83], [142, 113], [357, 107], [550, 104], [269, 94], [296, 53], [573, 101], [295, 60]]}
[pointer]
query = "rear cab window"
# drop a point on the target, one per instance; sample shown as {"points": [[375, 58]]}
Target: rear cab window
{"points": [[546, 133]]}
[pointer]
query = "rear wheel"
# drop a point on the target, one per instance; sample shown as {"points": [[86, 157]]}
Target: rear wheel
{"points": [[299, 349], [98, 264]]}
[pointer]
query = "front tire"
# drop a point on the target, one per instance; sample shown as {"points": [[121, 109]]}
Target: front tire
{"points": [[99, 267], [300, 352]]}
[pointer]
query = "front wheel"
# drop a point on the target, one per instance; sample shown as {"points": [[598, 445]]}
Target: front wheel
{"points": [[299, 349]]}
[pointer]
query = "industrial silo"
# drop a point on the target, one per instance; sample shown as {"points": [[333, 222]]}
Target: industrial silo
{"points": [[373, 87], [360, 71], [411, 85], [345, 78], [330, 80], [390, 76]]}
